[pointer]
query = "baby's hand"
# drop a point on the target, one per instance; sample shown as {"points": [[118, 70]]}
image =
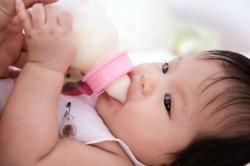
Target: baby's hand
{"points": [[48, 35]]}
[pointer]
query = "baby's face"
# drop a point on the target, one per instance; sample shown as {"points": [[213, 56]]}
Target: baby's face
{"points": [[164, 107]]}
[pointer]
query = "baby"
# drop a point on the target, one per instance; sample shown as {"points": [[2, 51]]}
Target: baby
{"points": [[192, 111]]}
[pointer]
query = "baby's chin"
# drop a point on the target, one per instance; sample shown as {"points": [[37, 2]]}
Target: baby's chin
{"points": [[107, 105]]}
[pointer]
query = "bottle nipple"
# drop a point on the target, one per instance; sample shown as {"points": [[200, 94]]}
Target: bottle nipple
{"points": [[111, 76]]}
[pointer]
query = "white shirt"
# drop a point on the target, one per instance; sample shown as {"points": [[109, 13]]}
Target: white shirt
{"points": [[89, 127]]}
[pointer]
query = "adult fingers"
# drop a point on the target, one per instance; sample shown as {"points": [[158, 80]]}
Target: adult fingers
{"points": [[17, 24], [23, 16], [9, 6]]}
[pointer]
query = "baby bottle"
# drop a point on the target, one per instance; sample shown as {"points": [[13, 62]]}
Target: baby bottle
{"points": [[97, 56]]}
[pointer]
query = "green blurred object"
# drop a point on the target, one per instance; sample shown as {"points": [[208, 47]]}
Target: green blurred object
{"points": [[190, 39]]}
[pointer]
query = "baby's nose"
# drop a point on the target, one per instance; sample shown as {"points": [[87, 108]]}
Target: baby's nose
{"points": [[148, 83]]}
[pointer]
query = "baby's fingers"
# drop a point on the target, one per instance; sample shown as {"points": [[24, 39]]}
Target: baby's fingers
{"points": [[65, 21], [23, 15], [38, 16], [51, 14]]}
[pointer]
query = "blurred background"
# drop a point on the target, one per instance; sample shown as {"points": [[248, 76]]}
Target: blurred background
{"points": [[229, 18], [181, 27]]}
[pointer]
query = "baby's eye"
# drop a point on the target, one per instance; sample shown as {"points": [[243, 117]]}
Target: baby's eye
{"points": [[167, 103], [165, 68]]}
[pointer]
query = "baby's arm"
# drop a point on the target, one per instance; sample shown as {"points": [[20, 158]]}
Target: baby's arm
{"points": [[28, 129]]}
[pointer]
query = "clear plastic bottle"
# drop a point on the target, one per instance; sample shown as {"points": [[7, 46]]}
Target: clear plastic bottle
{"points": [[97, 41]]}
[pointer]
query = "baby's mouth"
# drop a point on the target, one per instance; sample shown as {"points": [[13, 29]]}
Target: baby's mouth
{"points": [[130, 75], [109, 98]]}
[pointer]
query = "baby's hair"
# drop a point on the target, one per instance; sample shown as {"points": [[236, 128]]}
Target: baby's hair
{"points": [[233, 149]]}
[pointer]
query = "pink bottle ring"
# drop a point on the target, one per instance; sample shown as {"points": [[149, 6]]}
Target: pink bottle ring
{"points": [[105, 73]]}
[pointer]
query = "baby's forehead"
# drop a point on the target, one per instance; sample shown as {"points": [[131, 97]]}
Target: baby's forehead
{"points": [[198, 69], [202, 79], [223, 88]]}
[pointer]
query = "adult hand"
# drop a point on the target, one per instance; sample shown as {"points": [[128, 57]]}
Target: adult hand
{"points": [[8, 11], [11, 37]]}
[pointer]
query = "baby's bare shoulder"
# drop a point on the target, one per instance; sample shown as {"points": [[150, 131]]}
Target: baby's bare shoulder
{"points": [[70, 152]]}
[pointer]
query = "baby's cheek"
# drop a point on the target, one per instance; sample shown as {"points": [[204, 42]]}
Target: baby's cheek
{"points": [[100, 104], [108, 109], [106, 104]]}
